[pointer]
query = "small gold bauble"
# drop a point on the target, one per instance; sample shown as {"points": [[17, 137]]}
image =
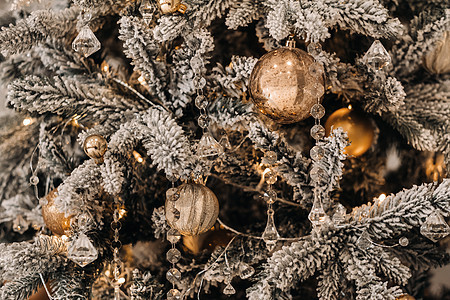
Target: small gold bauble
{"points": [[95, 147], [171, 6], [359, 128], [285, 83], [215, 237], [406, 297], [55, 220], [194, 211]]}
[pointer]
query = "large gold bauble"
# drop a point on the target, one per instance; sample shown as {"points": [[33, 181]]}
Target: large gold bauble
{"points": [[195, 211], [360, 129], [283, 87], [406, 297], [55, 220], [95, 147]]}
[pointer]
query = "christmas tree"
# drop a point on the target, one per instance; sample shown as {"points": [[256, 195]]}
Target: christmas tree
{"points": [[251, 149]]}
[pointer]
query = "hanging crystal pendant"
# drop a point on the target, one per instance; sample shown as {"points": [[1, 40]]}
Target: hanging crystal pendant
{"points": [[270, 235], [245, 270], [376, 58], [147, 10], [435, 227], [364, 241], [340, 214], [208, 147], [174, 294], [20, 225], [86, 42], [317, 214], [229, 290], [173, 236], [82, 251]]}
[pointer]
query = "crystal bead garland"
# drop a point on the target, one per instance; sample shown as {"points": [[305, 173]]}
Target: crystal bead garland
{"points": [[208, 147], [317, 216], [117, 264], [270, 235], [173, 275], [86, 43]]}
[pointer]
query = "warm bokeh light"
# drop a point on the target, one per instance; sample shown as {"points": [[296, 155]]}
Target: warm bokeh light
{"points": [[138, 157], [382, 197], [27, 121]]}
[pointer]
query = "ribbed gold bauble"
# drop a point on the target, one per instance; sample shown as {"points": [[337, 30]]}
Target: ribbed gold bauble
{"points": [[194, 211], [55, 220], [406, 297], [285, 83], [359, 128]]}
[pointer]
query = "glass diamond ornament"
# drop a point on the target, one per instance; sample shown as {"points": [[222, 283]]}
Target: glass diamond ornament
{"points": [[317, 213], [270, 235], [435, 227], [82, 251], [340, 214], [147, 10], [364, 241], [245, 270], [20, 225], [229, 290], [86, 43], [174, 294], [208, 147], [376, 58]]}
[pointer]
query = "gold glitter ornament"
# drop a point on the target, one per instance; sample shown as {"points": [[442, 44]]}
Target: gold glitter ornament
{"points": [[55, 219], [194, 212], [95, 147], [283, 87], [360, 129], [171, 6], [405, 297]]}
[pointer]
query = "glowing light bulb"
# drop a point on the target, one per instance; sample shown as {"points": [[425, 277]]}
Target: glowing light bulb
{"points": [[138, 157], [64, 237], [381, 197], [141, 79], [27, 121], [121, 280], [107, 273], [350, 106]]}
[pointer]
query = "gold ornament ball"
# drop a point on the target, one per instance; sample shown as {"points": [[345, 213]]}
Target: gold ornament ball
{"points": [[171, 6], [406, 297], [95, 147], [55, 220], [210, 240], [194, 212], [359, 128], [285, 83]]}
